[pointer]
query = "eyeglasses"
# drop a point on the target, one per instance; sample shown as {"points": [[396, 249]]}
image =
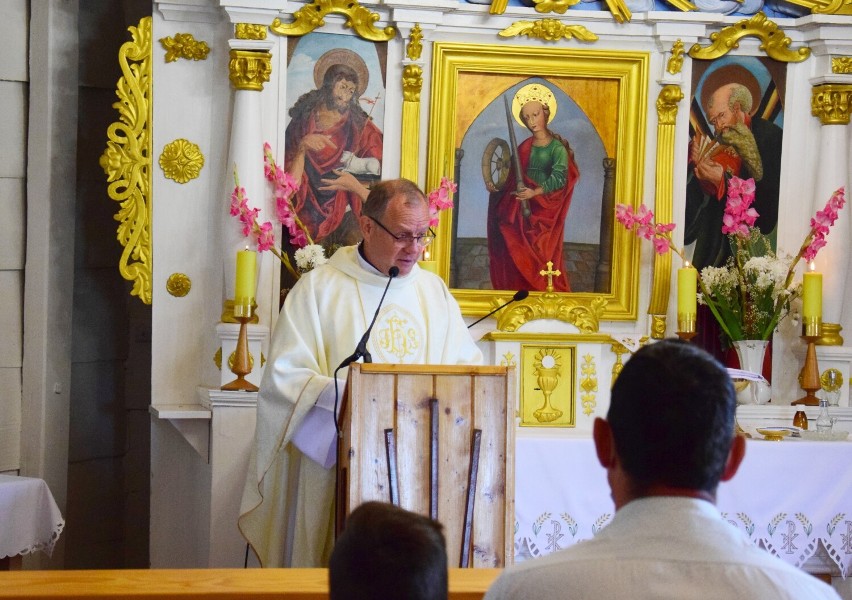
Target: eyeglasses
{"points": [[402, 239]]}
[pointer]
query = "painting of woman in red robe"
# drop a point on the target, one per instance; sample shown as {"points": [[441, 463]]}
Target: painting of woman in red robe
{"points": [[526, 219]]}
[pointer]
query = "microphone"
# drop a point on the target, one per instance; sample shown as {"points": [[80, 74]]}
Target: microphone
{"points": [[361, 348], [519, 295]]}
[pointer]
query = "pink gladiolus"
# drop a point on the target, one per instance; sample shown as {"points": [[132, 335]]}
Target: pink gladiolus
{"points": [[815, 246], [624, 215], [265, 237], [661, 245]]}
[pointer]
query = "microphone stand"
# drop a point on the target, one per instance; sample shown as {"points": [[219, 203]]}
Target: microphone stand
{"points": [[519, 295], [360, 352]]}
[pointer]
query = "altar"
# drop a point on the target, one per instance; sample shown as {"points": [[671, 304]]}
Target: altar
{"points": [[792, 497]]}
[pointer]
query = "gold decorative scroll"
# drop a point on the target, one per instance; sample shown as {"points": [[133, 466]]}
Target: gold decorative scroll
{"points": [[184, 45], [181, 160], [675, 63], [842, 65], [773, 41], [127, 159], [312, 16], [658, 326], [249, 69], [412, 83], [415, 45], [549, 30], [667, 102], [557, 6], [585, 316], [619, 350], [250, 31], [832, 103], [831, 7]]}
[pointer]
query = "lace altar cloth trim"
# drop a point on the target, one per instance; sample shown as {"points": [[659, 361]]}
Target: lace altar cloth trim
{"points": [[788, 497], [31, 519]]}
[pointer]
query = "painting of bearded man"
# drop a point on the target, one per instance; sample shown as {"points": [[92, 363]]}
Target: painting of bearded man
{"points": [[333, 149], [745, 142]]}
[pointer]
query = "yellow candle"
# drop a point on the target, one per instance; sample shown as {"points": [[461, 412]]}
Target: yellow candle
{"points": [[687, 288], [246, 275], [812, 294]]}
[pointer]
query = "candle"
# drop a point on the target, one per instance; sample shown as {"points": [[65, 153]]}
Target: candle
{"points": [[812, 295], [246, 275], [687, 289], [427, 264]]}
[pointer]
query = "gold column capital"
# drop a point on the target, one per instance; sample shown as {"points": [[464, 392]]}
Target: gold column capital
{"points": [[667, 102], [412, 83], [249, 69], [832, 102]]}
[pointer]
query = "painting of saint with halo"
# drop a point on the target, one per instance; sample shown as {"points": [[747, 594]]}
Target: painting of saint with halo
{"points": [[532, 163]]}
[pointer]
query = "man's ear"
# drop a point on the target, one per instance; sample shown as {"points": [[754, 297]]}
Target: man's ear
{"points": [[735, 457], [604, 446]]}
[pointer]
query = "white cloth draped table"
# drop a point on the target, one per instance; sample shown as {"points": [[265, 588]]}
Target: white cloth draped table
{"points": [[788, 497], [29, 517]]}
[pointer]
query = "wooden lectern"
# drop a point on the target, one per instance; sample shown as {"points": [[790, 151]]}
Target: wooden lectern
{"points": [[437, 440]]}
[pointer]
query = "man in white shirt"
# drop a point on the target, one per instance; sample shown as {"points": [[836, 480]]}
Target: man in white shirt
{"points": [[667, 442], [287, 512]]}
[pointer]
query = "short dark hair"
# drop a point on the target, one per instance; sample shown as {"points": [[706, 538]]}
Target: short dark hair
{"points": [[388, 552], [672, 412], [381, 193]]}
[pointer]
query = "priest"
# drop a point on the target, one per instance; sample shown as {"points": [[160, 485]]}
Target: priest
{"points": [[287, 512]]}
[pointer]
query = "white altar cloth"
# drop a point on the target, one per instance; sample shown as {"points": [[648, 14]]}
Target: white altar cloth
{"points": [[788, 496], [29, 517]]}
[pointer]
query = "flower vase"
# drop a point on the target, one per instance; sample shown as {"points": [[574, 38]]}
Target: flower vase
{"points": [[751, 353]]}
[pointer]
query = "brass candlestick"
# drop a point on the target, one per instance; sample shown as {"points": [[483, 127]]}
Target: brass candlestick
{"points": [[809, 375], [242, 367]]}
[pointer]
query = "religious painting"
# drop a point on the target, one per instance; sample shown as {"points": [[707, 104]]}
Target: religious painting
{"points": [[735, 126], [547, 385], [334, 134], [542, 143]]}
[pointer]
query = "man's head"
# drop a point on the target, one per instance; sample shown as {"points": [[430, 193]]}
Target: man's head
{"points": [[395, 211], [670, 425], [388, 552], [726, 112], [339, 87]]}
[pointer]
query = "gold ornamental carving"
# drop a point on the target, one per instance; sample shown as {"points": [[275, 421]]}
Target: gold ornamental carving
{"points": [[832, 102], [841, 65], [549, 30], [311, 16], [667, 103], [178, 285], [508, 360], [250, 31], [675, 63], [547, 367], [589, 384], [181, 160], [127, 159], [412, 83], [249, 69], [619, 350], [415, 44], [827, 7], [773, 41], [658, 327], [553, 305], [184, 45]]}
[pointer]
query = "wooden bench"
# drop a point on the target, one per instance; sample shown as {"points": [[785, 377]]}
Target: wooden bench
{"points": [[203, 584]]}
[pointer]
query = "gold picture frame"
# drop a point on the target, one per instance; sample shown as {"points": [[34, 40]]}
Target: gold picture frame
{"points": [[609, 87]]}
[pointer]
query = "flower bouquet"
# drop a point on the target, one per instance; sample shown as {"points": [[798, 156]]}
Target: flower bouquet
{"points": [[750, 294]]}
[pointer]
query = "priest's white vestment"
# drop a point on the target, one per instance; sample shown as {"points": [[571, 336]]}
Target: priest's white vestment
{"points": [[287, 511]]}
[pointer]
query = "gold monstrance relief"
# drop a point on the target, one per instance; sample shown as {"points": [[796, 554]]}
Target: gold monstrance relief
{"points": [[547, 385]]}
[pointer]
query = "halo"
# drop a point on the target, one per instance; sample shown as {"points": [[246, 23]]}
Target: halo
{"points": [[342, 56], [732, 73], [528, 93]]}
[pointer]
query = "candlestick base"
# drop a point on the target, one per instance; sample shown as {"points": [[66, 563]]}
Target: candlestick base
{"points": [[809, 375], [241, 366], [686, 335]]}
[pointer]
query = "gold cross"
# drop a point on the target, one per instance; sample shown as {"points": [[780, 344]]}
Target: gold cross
{"points": [[549, 273]]}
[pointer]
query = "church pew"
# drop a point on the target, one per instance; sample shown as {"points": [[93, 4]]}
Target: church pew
{"points": [[202, 584]]}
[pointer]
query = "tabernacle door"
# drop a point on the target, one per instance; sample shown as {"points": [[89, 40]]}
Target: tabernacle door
{"points": [[437, 440]]}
